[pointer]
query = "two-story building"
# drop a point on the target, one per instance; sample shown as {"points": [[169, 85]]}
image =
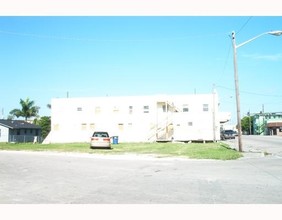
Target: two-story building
{"points": [[136, 118], [267, 123]]}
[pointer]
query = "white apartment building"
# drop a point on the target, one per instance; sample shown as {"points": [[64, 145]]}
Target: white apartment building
{"points": [[136, 118]]}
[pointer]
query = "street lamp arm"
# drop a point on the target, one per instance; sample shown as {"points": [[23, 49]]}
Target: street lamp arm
{"points": [[248, 41], [275, 33]]}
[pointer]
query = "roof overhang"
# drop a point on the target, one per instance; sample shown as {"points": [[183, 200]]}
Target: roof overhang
{"points": [[274, 124]]}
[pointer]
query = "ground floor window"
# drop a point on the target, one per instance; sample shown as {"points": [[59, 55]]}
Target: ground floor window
{"points": [[120, 126]]}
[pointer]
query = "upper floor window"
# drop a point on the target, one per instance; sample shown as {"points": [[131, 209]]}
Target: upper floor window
{"points": [[79, 109], [146, 108], [185, 108], [164, 108], [116, 110], [130, 108], [205, 107]]}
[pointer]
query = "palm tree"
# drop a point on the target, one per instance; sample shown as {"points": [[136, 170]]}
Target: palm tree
{"points": [[28, 109]]}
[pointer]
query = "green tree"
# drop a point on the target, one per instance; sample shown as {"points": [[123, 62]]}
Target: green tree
{"points": [[247, 124], [45, 124], [27, 111]]}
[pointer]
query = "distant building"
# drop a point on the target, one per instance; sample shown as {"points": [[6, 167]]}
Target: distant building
{"points": [[267, 123], [136, 118], [19, 131]]}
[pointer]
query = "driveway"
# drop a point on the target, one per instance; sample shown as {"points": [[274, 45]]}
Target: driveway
{"points": [[68, 178]]}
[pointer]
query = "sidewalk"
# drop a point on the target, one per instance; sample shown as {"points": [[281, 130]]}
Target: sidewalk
{"points": [[252, 149]]}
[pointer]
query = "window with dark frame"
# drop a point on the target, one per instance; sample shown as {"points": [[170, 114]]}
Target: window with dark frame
{"points": [[130, 109], [146, 108], [205, 107], [185, 108]]}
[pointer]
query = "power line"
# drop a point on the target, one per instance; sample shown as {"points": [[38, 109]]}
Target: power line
{"points": [[107, 40], [250, 93], [237, 32], [226, 61]]}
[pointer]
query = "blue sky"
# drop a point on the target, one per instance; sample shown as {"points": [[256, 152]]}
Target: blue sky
{"points": [[47, 57]]}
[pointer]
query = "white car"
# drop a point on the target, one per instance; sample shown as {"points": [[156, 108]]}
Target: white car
{"points": [[100, 139]]}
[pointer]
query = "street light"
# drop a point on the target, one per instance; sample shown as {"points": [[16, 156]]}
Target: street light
{"points": [[275, 33]]}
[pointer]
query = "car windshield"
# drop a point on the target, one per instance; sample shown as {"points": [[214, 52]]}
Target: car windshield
{"points": [[100, 134], [228, 131]]}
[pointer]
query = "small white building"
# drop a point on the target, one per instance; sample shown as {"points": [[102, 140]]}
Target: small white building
{"points": [[136, 118]]}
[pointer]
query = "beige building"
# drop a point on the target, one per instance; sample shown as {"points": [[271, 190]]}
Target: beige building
{"points": [[136, 118]]}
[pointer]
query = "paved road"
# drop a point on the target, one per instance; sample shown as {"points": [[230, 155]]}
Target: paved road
{"points": [[64, 178], [257, 143]]}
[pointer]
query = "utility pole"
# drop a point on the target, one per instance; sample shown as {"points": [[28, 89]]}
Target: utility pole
{"points": [[274, 33], [213, 114], [250, 123], [239, 127]]}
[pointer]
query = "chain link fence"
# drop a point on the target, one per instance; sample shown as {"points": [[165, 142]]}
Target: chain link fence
{"points": [[25, 139]]}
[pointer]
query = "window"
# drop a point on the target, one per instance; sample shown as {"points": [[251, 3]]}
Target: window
{"points": [[83, 126], [120, 126], [79, 109], [56, 127], [92, 126], [100, 134], [185, 108], [146, 109], [205, 107], [129, 125], [97, 110], [116, 110], [190, 123], [164, 108], [130, 108]]}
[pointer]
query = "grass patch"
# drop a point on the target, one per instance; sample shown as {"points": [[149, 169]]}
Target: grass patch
{"points": [[216, 151]]}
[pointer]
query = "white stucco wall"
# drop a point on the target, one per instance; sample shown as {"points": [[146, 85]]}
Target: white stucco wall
{"points": [[75, 119], [4, 134]]}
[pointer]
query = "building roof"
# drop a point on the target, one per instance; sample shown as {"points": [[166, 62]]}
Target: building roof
{"points": [[18, 124]]}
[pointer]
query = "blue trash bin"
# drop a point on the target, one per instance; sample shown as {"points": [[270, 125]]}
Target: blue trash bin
{"points": [[115, 139]]}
